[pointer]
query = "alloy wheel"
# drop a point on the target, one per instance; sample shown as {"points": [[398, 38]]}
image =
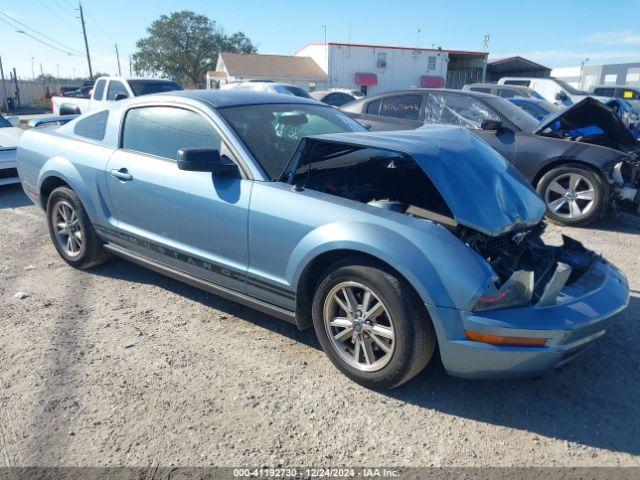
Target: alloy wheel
{"points": [[67, 230], [570, 195], [359, 326]]}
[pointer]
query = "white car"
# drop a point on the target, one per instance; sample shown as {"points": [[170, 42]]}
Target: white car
{"points": [[552, 89], [270, 87], [9, 136], [110, 89]]}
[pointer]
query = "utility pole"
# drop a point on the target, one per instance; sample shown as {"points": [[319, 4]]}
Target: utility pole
{"points": [[485, 46], [118, 57], [86, 43], [5, 94], [33, 72]]}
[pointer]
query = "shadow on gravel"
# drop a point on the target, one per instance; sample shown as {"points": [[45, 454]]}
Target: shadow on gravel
{"points": [[620, 222], [592, 401], [12, 196]]}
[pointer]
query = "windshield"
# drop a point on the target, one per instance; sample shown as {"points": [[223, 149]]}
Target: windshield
{"points": [[272, 132], [569, 89], [514, 114], [4, 122], [146, 87]]}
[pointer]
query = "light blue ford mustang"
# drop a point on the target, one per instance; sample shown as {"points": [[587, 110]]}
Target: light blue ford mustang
{"points": [[389, 244]]}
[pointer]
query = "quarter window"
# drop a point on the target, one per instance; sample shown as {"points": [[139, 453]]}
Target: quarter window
{"points": [[373, 108], [98, 90], [162, 131], [457, 110], [406, 106], [114, 89], [93, 127]]}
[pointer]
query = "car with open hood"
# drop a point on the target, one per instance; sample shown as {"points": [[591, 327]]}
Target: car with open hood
{"points": [[388, 244], [582, 160]]}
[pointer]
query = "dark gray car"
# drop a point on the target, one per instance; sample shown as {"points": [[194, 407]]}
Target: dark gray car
{"points": [[579, 161]]}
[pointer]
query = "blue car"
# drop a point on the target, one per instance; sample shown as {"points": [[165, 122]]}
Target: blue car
{"points": [[388, 244]]}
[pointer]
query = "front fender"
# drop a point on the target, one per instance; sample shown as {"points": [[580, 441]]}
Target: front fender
{"points": [[441, 269]]}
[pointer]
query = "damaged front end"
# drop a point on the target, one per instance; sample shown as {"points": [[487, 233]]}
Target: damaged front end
{"points": [[527, 271], [625, 176]]}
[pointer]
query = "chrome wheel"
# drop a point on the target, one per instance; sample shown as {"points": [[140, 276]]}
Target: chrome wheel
{"points": [[359, 326], [67, 230], [570, 195]]}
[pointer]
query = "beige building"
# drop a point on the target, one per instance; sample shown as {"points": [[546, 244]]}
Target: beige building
{"points": [[298, 70]]}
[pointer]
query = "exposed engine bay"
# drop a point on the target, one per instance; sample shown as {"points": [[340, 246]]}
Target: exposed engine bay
{"points": [[394, 182]]}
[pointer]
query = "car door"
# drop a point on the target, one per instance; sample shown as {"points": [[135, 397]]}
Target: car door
{"points": [[393, 112], [192, 221]]}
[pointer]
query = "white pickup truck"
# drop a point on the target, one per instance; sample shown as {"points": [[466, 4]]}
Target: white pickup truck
{"points": [[109, 89]]}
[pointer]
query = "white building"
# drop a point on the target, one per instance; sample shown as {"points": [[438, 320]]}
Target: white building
{"points": [[378, 68]]}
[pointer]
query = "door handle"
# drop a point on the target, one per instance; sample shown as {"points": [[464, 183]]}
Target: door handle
{"points": [[122, 174]]}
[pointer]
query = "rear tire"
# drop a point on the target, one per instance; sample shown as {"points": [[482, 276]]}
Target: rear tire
{"points": [[71, 230], [378, 347], [574, 195]]}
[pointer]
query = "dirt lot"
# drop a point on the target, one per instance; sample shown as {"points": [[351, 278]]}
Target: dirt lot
{"points": [[121, 366]]}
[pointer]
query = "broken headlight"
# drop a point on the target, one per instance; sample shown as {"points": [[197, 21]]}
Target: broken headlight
{"points": [[517, 291]]}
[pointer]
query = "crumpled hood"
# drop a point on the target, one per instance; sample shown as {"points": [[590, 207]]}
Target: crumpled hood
{"points": [[9, 137], [589, 114], [483, 190]]}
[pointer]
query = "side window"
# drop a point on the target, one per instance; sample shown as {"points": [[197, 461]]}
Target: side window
{"points": [[508, 93], [480, 89], [162, 131], [373, 108], [533, 110], [524, 83], [98, 90], [93, 127], [457, 110], [115, 88], [604, 92], [405, 106]]}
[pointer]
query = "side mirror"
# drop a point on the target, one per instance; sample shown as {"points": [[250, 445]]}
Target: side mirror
{"points": [[195, 159], [120, 96], [14, 120], [489, 124], [561, 96]]}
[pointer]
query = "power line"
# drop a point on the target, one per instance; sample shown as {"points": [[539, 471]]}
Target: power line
{"points": [[37, 39], [38, 33], [57, 15]]}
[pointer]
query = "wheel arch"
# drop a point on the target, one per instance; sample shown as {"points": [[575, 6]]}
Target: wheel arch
{"points": [[312, 274], [567, 162]]}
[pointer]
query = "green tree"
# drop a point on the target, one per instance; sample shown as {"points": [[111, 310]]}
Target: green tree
{"points": [[186, 45]]}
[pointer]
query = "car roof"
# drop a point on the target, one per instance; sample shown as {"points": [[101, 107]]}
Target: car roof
{"points": [[492, 85], [235, 98], [426, 90]]}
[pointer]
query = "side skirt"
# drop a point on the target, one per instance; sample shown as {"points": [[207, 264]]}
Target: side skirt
{"points": [[229, 294]]}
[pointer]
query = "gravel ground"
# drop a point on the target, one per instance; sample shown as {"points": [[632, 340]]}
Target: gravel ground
{"points": [[121, 366]]}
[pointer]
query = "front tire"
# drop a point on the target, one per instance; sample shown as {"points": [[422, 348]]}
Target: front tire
{"points": [[573, 195], [71, 230], [371, 324]]}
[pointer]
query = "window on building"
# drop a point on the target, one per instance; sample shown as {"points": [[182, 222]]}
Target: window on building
{"points": [[381, 62], [404, 106], [162, 131], [431, 63], [611, 78], [457, 110], [633, 75], [93, 127]]}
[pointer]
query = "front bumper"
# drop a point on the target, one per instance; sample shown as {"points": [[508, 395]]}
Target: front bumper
{"points": [[583, 313]]}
